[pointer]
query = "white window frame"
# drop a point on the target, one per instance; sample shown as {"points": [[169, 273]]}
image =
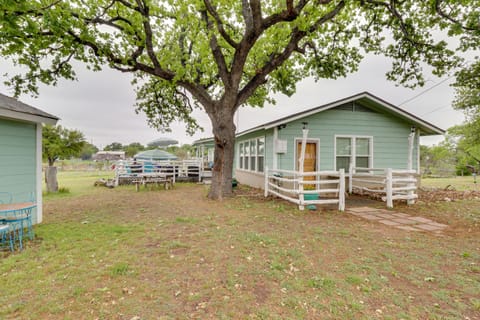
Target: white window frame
{"points": [[353, 155], [256, 155]]}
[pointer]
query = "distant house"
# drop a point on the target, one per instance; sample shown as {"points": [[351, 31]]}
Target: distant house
{"points": [[362, 130], [21, 149], [109, 155]]}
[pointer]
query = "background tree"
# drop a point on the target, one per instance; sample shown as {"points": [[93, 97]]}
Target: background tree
{"points": [[114, 146], [439, 160], [222, 54], [182, 152], [467, 138], [88, 151], [59, 142], [133, 148]]}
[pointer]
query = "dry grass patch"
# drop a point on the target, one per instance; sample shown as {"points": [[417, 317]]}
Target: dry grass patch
{"points": [[117, 253]]}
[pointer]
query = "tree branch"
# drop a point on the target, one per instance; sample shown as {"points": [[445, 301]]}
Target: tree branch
{"points": [[144, 11], [217, 52], [444, 15], [277, 60], [219, 24]]}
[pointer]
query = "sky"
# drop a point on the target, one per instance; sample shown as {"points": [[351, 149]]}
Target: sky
{"points": [[101, 104]]}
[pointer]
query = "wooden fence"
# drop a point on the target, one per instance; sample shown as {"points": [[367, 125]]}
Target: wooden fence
{"points": [[127, 170], [390, 183], [326, 187]]}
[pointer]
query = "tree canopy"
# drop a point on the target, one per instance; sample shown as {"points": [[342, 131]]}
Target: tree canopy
{"points": [[114, 146], [221, 54], [59, 142]]}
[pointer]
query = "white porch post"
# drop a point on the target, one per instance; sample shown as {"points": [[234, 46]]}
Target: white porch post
{"points": [[274, 158], [411, 139], [300, 166], [341, 194], [417, 140], [389, 187]]}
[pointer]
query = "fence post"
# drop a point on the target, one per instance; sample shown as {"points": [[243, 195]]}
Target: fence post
{"points": [[341, 193], [200, 170], [410, 193], [301, 196], [266, 182], [350, 178], [174, 172], [389, 187]]}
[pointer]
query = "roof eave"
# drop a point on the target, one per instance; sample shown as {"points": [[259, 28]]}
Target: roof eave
{"points": [[15, 115], [423, 125], [426, 127]]}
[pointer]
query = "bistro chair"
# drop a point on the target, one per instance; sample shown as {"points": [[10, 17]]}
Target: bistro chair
{"points": [[17, 215], [6, 236]]}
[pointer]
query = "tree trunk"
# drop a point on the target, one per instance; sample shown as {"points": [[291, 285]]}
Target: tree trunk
{"points": [[224, 136], [51, 179]]}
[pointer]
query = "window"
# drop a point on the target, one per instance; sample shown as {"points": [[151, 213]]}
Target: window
{"points": [[362, 152], [260, 154], [353, 150], [344, 153], [247, 155], [252, 155], [241, 153]]}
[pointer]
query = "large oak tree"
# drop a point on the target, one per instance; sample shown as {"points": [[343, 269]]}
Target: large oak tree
{"points": [[221, 54], [59, 143]]}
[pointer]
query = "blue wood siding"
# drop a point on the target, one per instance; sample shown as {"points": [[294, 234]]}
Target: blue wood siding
{"points": [[18, 158]]}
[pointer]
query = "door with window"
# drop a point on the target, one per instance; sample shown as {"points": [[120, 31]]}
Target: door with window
{"points": [[310, 161]]}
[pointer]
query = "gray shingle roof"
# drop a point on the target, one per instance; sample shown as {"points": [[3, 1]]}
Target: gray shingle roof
{"points": [[13, 104]]}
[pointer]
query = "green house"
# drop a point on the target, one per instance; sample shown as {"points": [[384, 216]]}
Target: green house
{"points": [[21, 150], [361, 130]]}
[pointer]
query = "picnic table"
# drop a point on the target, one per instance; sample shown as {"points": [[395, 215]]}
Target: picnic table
{"points": [[18, 216], [152, 178]]}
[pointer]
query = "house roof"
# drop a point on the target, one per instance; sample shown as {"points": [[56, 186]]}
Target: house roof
{"points": [[15, 109], [367, 99], [204, 141], [155, 154]]}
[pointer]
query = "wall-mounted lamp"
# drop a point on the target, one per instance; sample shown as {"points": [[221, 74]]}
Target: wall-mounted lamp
{"points": [[281, 126], [305, 124], [413, 129]]}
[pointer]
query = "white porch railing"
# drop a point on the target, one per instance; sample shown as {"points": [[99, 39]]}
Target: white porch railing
{"points": [[128, 169], [290, 185], [394, 184]]}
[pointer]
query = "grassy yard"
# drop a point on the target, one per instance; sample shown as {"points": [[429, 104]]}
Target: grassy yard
{"points": [[459, 183], [173, 254]]}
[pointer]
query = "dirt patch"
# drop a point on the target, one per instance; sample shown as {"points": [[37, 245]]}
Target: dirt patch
{"points": [[429, 195], [176, 254]]}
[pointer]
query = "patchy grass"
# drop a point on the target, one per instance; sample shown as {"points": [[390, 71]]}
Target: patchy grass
{"points": [[459, 183], [173, 254], [76, 183]]}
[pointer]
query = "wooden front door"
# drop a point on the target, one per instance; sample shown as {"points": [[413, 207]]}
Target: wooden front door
{"points": [[310, 161]]}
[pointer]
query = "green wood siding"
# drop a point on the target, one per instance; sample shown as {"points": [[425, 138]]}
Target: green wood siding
{"points": [[389, 137], [18, 158]]}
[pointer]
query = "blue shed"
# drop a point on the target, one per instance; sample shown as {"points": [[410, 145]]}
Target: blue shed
{"points": [[21, 149]]}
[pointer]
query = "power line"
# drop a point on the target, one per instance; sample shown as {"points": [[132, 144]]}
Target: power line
{"points": [[426, 90], [436, 109]]}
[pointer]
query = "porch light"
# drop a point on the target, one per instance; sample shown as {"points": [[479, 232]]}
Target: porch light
{"points": [[305, 124]]}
